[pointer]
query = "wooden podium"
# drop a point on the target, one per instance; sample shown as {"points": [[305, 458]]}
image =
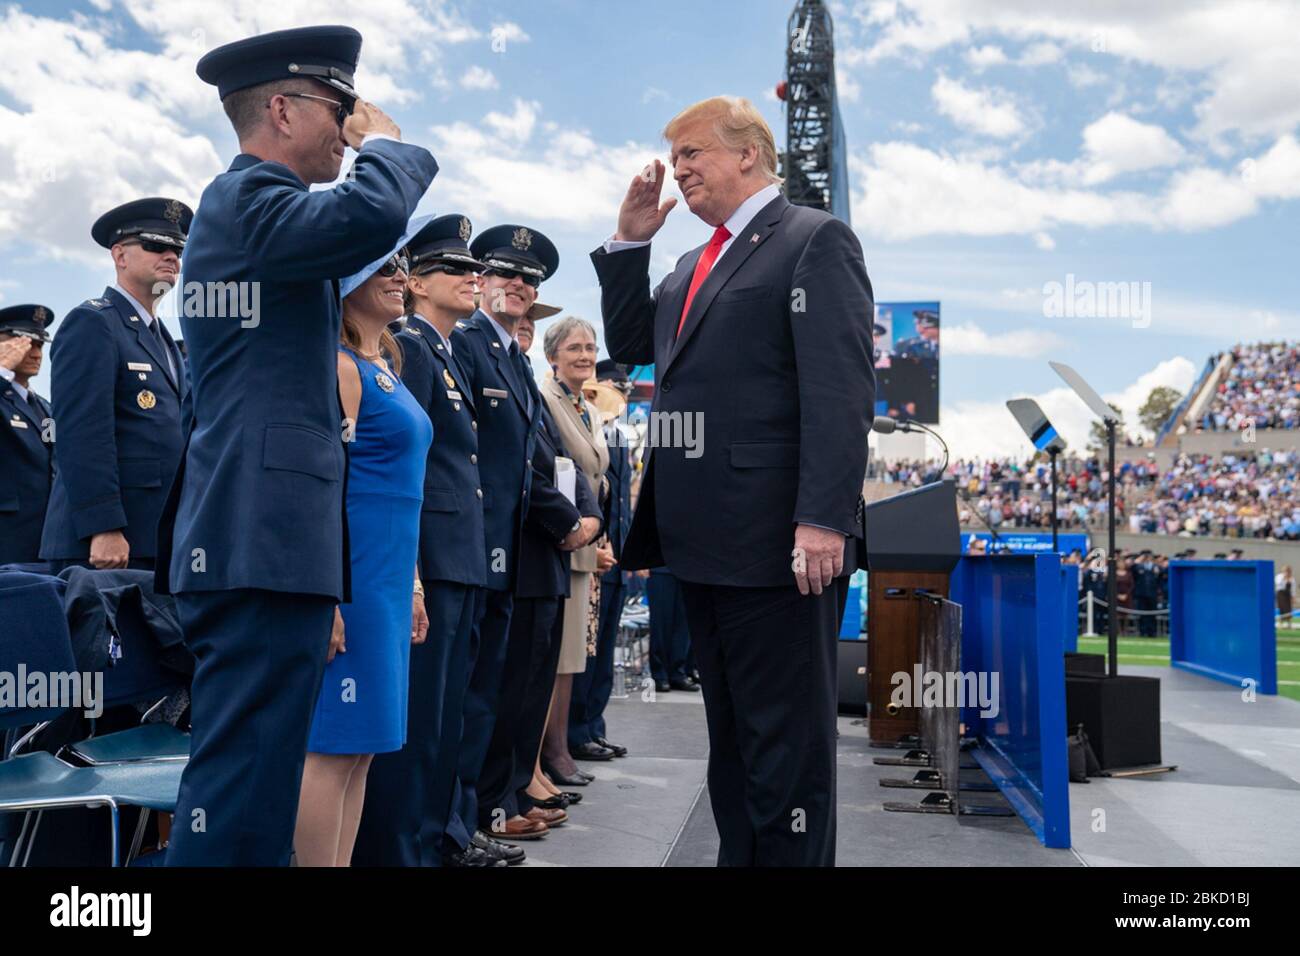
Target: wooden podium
{"points": [[912, 543]]}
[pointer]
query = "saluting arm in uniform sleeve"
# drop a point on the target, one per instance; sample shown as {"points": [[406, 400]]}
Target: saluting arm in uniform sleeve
{"points": [[294, 234], [837, 384], [627, 305], [83, 380]]}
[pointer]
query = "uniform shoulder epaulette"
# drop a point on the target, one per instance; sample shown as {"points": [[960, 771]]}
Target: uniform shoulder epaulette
{"points": [[462, 324], [96, 304]]}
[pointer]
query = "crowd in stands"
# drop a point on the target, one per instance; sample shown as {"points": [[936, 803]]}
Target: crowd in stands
{"points": [[1237, 495], [1261, 387]]}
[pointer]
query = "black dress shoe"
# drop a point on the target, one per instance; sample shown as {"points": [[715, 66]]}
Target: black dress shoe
{"points": [[572, 796], [584, 775], [562, 780], [507, 853], [473, 857], [683, 683], [590, 751], [663, 686], [558, 801], [618, 751]]}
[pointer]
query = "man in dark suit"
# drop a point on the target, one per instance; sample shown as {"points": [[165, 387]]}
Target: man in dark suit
{"points": [[26, 446], [255, 538], [117, 382], [764, 337], [591, 688], [510, 409]]}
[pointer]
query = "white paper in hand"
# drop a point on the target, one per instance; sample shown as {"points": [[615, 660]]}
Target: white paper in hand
{"points": [[566, 479]]}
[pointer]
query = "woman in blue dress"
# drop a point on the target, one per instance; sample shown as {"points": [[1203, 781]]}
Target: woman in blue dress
{"points": [[361, 709]]}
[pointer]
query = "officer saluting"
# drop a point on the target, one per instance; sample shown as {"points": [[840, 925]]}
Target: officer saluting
{"points": [[117, 381], [254, 535], [26, 448]]}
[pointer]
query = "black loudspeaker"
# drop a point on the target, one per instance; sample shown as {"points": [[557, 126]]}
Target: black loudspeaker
{"points": [[1094, 664], [852, 677], [1121, 716]]}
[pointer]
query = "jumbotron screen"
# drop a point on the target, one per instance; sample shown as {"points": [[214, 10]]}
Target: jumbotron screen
{"points": [[906, 336]]}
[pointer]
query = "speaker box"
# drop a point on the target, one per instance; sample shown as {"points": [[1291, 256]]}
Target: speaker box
{"points": [[852, 677], [1121, 716], [1094, 664]]}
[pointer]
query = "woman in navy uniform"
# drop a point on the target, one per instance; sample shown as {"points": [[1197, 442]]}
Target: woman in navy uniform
{"points": [[117, 382], [26, 452], [362, 706]]}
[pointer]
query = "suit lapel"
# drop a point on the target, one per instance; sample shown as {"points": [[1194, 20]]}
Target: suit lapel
{"points": [[509, 371], [19, 408], [753, 236], [666, 333], [148, 341]]}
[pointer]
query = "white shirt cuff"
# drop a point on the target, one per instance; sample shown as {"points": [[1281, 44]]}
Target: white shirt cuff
{"points": [[6, 373], [370, 136], [618, 245]]}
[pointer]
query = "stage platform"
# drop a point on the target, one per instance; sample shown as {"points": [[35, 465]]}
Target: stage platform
{"points": [[1235, 799]]}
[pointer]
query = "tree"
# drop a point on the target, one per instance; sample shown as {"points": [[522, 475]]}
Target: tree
{"points": [[1160, 404], [1097, 432]]}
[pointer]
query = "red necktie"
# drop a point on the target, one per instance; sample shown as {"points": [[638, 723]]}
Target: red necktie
{"points": [[711, 251]]}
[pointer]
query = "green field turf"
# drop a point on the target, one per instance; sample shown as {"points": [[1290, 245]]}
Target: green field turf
{"points": [[1154, 651]]}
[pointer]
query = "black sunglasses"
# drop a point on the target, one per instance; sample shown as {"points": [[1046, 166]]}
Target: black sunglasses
{"points": [[509, 274], [395, 265], [447, 269], [158, 248], [343, 107]]}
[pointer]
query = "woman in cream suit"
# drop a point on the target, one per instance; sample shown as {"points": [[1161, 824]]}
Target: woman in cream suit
{"points": [[570, 348]]}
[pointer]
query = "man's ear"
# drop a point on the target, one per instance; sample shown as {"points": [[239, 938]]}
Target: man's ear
{"points": [[748, 157]]}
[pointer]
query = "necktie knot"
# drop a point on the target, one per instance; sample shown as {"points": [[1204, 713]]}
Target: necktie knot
{"points": [[720, 235]]}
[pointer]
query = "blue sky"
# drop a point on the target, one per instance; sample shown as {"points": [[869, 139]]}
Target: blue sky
{"points": [[994, 148]]}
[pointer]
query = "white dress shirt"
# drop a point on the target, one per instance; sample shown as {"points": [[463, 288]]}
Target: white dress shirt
{"points": [[446, 342]]}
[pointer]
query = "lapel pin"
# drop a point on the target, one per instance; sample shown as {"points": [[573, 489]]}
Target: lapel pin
{"points": [[754, 238]]}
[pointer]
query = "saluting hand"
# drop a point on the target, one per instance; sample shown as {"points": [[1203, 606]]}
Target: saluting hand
{"points": [[368, 118], [337, 645], [13, 351], [641, 214]]}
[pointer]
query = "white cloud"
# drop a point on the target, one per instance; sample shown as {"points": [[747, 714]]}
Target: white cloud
{"points": [[478, 78], [984, 429], [980, 57], [1040, 54], [509, 32], [990, 112], [1044, 241], [1117, 144], [1245, 49], [969, 339]]}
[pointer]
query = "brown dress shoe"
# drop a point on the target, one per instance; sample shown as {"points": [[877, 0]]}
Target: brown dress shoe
{"points": [[521, 828], [550, 818]]}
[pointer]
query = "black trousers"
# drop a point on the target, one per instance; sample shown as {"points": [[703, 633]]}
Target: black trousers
{"points": [[409, 791], [532, 651], [487, 658], [767, 661], [670, 639]]}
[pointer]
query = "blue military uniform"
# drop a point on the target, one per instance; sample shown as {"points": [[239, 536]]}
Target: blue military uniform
{"points": [[26, 451], [509, 408], [117, 381], [1146, 590], [254, 542], [409, 793]]}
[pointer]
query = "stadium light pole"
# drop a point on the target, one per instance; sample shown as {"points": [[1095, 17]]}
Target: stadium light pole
{"points": [[1110, 420], [1044, 438]]}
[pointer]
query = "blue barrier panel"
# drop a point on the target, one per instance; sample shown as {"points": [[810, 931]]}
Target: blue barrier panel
{"points": [[1011, 627], [851, 626], [1070, 607], [1221, 621]]}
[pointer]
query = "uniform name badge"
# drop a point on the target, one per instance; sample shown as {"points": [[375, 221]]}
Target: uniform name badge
{"points": [[17, 422], [454, 395]]}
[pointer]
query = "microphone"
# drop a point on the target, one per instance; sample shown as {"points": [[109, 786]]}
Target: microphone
{"points": [[884, 425]]}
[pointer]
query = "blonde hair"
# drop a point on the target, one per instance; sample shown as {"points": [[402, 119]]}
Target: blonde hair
{"points": [[737, 124]]}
